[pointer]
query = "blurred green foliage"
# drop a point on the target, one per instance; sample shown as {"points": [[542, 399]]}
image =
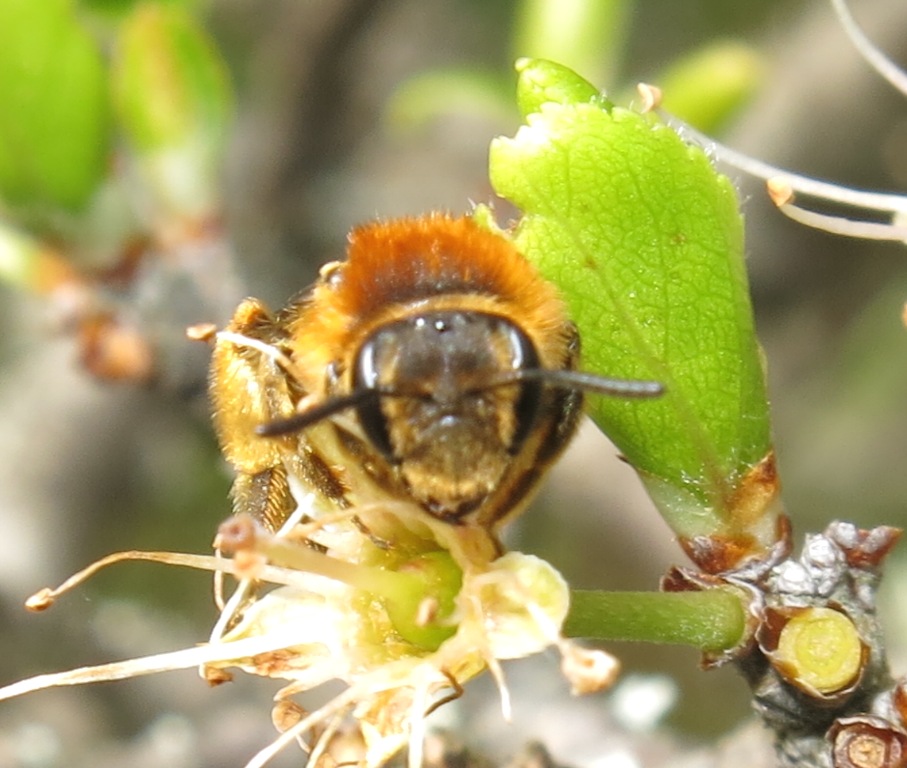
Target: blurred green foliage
{"points": [[55, 125], [706, 86], [59, 131]]}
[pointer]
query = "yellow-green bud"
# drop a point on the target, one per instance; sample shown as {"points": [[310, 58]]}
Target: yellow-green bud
{"points": [[820, 650]]}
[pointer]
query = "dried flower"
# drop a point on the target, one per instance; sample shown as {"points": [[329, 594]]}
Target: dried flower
{"points": [[867, 741]]}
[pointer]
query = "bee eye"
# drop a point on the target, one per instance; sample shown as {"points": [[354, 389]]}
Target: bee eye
{"points": [[526, 409], [371, 417]]}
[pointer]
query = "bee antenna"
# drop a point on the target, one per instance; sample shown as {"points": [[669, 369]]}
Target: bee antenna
{"points": [[576, 380], [579, 380], [313, 415]]}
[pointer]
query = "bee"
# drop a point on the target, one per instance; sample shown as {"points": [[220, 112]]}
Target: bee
{"points": [[434, 366]]}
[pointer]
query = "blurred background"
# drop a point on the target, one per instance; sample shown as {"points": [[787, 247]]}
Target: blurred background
{"points": [[304, 119]]}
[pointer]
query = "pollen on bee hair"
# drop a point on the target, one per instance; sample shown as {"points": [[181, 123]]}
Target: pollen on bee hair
{"points": [[397, 263]]}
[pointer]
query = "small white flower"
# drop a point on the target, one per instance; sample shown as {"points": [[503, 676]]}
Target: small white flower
{"points": [[402, 608]]}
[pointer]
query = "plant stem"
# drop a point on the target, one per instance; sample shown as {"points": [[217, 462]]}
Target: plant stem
{"points": [[711, 621]]}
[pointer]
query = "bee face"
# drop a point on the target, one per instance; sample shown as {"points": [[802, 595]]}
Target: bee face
{"points": [[451, 436], [421, 334]]}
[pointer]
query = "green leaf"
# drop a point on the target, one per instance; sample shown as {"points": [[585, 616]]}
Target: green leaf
{"points": [[707, 88], [55, 118], [169, 80], [645, 240], [586, 35], [438, 93], [174, 99], [543, 81], [118, 8]]}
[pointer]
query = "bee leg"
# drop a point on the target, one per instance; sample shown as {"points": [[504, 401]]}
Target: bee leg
{"points": [[264, 495]]}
